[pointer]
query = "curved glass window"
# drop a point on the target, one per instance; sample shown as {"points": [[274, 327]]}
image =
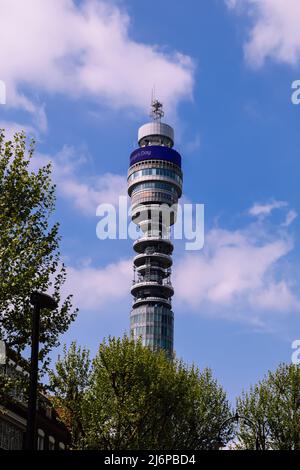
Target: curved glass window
{"points": [[153, 185], [156, 171], [156, 315], [157, 196]]}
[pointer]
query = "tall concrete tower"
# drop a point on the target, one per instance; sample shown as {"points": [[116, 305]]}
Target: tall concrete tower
{"points": [[154, 185]]}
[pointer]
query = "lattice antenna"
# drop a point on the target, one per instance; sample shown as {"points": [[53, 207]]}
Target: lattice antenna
{"points": [[157, 111]]}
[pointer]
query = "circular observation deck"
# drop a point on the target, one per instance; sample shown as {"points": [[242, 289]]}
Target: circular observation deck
{"points": [[165, 261], [161, 245], [156, 218], [152, 289], [143, 271], [138, 301], [157, 178], [156, 131], [156, 196]]}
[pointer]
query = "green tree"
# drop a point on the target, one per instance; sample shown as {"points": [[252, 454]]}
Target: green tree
{"points": [[29, 248], [139, 399], [69, 383], [274, 407]]}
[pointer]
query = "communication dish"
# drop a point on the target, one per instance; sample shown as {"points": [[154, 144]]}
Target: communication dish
{"points": [[2, 353]]}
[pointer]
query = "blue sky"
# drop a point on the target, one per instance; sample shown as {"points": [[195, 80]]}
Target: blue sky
{"points": [[79, 76]]}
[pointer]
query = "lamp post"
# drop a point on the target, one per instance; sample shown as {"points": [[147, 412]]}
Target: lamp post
{"points": [[236, 418], [39, 301]]}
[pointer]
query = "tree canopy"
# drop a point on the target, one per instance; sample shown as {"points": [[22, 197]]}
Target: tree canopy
{"points": [[134, 398], [29, 248], [273, 405]]}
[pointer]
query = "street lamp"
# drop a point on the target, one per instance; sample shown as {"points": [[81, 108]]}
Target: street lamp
{"points": [[39, 301], [236, 418]]}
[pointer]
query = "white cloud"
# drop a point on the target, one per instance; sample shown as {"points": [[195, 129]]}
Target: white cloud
{"points": [[11, 128], [94, 288], [106, 189], [290, 217], [238, 274], [83, 50], [276, 296], [266, 209], [84, 192], [275, 30], [261, 211]]}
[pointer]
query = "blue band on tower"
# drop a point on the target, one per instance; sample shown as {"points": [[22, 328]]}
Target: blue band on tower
{"points": [[155, 152]]}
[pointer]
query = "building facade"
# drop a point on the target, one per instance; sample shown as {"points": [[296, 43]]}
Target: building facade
{"points": [[154, 186], [52, 434]]}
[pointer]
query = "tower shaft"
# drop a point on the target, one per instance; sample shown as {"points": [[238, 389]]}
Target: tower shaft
{"points": [[154, 185]]}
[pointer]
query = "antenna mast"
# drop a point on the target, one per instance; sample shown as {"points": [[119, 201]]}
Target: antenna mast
{"points": [[157, 111]]}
